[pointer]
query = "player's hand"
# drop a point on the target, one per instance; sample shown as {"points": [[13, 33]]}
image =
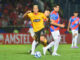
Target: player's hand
{"points": [[62, 25], [29, 11]]}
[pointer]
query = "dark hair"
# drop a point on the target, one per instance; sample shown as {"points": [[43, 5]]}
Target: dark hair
{"points": [[55, 5], [75, 11]]}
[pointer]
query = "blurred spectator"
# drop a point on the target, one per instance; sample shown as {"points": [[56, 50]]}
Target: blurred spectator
{"points": [[4, 22]]}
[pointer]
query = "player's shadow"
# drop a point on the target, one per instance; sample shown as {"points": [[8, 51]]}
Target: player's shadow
{"points": [[24, 53]]}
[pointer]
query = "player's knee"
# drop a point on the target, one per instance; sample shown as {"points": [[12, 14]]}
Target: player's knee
{"points": [[57, 40]]}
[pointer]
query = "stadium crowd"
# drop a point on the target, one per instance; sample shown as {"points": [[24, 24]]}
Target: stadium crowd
{"points": [[11, 12]]}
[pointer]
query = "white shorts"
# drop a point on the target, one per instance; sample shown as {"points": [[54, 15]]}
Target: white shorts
{"points": [[74, 32], [56, 35], [31, 32]]}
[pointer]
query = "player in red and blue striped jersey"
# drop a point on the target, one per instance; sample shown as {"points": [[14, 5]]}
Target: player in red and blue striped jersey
{"points": [[54, 28], [54, 17], [74, 25]]}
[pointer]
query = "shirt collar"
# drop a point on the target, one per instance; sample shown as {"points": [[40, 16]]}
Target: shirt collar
{"points": [[73, 17], [35, 13]]}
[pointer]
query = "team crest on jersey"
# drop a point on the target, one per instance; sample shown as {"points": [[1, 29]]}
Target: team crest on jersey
{"points": [[36, 20]]}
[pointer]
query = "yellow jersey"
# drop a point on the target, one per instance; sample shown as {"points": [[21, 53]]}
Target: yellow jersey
{"points": [[37, 21]]}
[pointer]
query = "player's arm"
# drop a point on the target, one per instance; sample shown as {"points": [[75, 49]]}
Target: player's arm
{"points": [[26, 14], [68, 26], [53, 23]]}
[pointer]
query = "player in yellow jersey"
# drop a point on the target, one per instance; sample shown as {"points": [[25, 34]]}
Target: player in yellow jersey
{"points": [[44, 42], [38, 26]]}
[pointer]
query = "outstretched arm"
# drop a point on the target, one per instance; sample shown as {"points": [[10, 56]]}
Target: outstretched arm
{"points": [[25, 15]]}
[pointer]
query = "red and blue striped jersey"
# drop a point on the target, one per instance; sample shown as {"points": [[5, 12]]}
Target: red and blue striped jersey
{"points": [[54, 16], [74, 23]]}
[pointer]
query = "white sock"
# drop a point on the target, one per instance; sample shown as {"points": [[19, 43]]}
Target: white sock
{"points": [[56, 44], [34, 43], [50, 45], [75, 42]]}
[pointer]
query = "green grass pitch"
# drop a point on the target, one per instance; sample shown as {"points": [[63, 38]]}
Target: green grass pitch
{"points": [[19, 52]]}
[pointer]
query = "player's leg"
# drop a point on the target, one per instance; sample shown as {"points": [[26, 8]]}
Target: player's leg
{"points": [[57, 37], [49, 46], [45, 42], [33, 47], [76, 36], [32, 35], [34, 43], [31, 32], [72, 42], [50, 49], [29, 52], [73, 39]]}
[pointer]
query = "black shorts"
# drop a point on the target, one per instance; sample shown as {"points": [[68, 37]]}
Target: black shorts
{"points": [[38, 34]]}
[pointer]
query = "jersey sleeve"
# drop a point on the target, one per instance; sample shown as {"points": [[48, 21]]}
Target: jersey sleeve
{"points": [[29, 15], [52, 17]]}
